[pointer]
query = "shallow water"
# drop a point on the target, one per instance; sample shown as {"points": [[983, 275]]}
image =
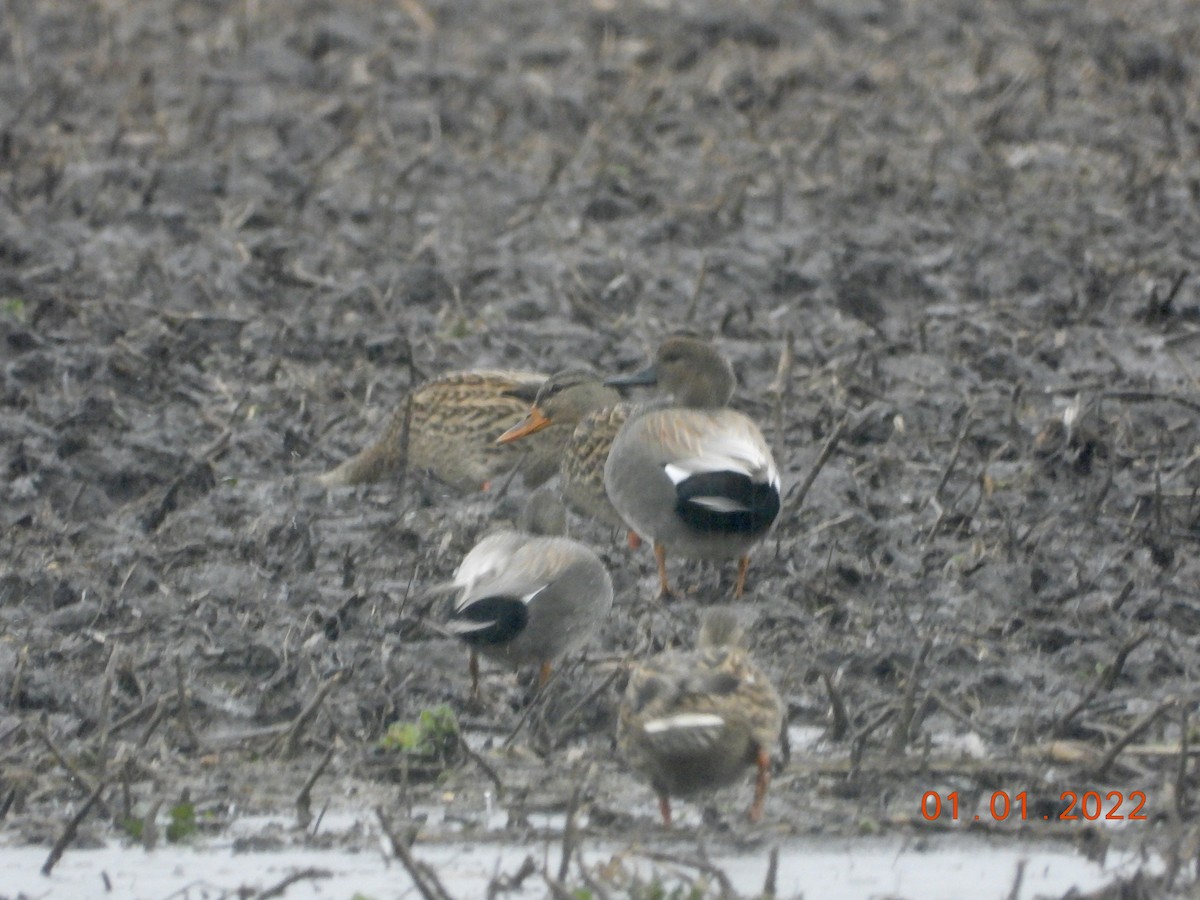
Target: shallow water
{"points": [[943, 866]]}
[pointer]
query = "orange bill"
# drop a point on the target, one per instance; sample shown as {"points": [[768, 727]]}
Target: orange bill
{"points": [[533, 422]]}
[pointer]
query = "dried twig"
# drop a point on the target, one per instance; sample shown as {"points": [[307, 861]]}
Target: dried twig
{"points": [[770, 883], [781, 388], [79, 777], [286, 744], [700, 865], [68, 833], [1018, 877], [697, 288], [184, 711], [570, 840], [1181, 772], [1108, 678], [1105, 682], [503, 884], [278, 890], [304, 798], [837, 709], [796, 499], [424, 878], [484, 766], [1130, 736], [908, 709]]}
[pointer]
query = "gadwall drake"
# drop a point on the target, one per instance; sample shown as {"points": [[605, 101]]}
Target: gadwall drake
{"points": [[526, 598], [692, 475], [450, 425], [578, 403], [695, 721]]}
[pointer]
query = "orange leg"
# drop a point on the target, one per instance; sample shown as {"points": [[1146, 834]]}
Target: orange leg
{"points": [[740, 587], [664, 808], [634, 541], [760, 785], [544, 675], [660, 554]]}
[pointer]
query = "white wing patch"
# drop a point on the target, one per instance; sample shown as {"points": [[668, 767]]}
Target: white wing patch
{"points": [[727, 453], [683, 722], [719, 504], [466, 626]]}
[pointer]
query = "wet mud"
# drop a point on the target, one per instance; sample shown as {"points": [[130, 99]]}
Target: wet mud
{"points": [[949, 247]]}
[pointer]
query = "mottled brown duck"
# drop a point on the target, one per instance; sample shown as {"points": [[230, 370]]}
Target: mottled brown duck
{"points": [[695, 721], [578, 403], [448, 427]]}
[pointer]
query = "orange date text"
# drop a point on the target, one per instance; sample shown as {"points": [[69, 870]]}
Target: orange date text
{"points": [[1090, 806]]}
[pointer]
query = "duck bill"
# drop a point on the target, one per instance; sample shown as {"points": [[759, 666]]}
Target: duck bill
{"points": [[648, 376], [532, 423]]}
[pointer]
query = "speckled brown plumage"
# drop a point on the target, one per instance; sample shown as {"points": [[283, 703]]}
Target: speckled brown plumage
{"points": [[694, 721], [452, 430], [576, 403]]}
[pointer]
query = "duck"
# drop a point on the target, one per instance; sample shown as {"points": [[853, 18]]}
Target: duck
{"points": [[448, 427], [578, 402], [694, 721], [528, 598], [690, 474]]}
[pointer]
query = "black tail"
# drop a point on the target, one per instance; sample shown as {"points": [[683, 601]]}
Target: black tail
{"points": [[753, 504]]}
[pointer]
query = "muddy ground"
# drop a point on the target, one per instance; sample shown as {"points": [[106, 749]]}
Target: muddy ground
{"points": [[233, 234]]}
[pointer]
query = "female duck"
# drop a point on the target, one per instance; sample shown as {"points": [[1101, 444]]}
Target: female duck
{"points": [[577, 403], [448, 427], [695, 721], [693, 476]]}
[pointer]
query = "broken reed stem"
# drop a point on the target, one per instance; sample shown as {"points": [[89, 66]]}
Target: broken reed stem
{"points": [[591, 697], [14, 692], [425, 880], [1109, 676], [697, 288], [781, 388], [1018, 877], [538, 701], [184, 710], [770, 883], [570, 840], [160, 712], [287, 742], [968, 421], [68, 833], [860, 742], [1105, 682], [797, 499], [1130, 736], [304, 798], [82, 780], [837, 709], [1181, 772], [106, 704], [280, 888], [503, 884], [484, 766], [908, 709], [700, 865]]}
